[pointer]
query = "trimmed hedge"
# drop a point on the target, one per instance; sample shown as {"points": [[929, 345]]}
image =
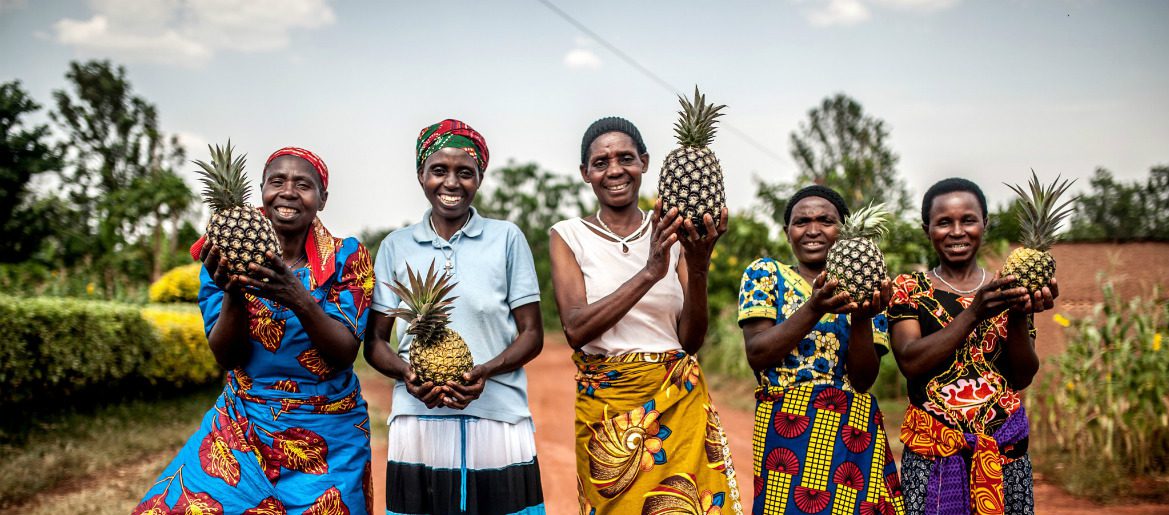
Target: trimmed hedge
{"points": [[52, 348], [180, 284]]}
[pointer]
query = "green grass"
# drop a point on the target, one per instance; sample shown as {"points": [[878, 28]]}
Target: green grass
{"points": [[115, 440]]}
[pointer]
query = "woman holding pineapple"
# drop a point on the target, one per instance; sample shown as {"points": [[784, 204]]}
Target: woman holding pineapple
{"points": [[816, 350], [284, 306], [461, 438], [633, 306], [964, 339]]}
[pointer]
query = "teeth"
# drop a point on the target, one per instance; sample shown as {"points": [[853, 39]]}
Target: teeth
{"points": [[449, 200], [283, 211], [618, 187]]}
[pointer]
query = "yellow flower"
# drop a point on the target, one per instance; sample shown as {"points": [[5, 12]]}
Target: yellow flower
{"points": [[1071, 386], [733, 260], [89, 288], [1156, 342], [1061, 320]]}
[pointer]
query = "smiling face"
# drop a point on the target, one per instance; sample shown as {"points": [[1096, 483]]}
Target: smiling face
{"points": [[450, 178], [955, 227], [614, 169], [292, 194], [815, 223]]}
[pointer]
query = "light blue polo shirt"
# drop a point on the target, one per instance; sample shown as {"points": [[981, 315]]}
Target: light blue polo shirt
{"points": [[494, 273]]}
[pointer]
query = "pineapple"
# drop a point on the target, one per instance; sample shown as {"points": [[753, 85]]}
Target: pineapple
{"points": [[241, 232], [855, 261], [1031, 264], [437, 353], [692, 179]]}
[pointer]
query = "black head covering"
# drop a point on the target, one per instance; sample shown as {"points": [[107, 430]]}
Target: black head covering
{"points": [[610, 124], [815, 190], [950, 185]]}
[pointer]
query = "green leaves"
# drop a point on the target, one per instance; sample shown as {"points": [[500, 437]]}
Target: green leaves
{"points": [[695, 128]]}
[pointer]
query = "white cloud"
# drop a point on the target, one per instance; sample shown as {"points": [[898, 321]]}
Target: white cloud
{"points": [[189, 33], [582, 58], [828, 13]]}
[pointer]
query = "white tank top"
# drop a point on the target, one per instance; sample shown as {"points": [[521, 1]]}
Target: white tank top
{"points": [[652, 324]]}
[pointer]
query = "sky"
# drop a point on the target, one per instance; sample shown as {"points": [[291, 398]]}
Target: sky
{"points": [[985, 90]]}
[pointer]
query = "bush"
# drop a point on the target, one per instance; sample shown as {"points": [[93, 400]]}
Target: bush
{"points": [[180, 284], [54, 348], [1105, 408], [183, 357]]}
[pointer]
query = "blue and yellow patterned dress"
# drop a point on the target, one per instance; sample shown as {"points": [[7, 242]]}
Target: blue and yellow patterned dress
{"points": [[819, 446]]}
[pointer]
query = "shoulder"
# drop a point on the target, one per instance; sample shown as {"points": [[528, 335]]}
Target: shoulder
{"points": [[762, 267], [497, 226], [564, 226], [912, 282]]}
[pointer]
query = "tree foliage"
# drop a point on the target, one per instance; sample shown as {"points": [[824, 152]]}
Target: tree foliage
{"points": [[24, 153], [534, 200], [1119, 211], [119, 176]]}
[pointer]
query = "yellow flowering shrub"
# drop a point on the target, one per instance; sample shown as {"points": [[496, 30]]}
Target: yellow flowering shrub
{"points": [[182, 356], [180, 284]]}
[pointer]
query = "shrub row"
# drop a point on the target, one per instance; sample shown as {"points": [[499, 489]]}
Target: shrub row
{"points": [[53, 348]]}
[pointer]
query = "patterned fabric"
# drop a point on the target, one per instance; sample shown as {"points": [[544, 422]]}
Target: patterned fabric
{"points": [[637, 421], [317, 162], [954, 487], [819, 446], [773, 290], [453, 134], [320, 248], [1018, 492], [290, 433], [966, 391]]}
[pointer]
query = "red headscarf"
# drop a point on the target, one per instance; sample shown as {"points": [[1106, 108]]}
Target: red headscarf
{"points": [[318, 164]]}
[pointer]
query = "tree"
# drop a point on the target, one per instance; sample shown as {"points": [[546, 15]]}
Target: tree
{"points": [[1117, 211], [534, 200], [119, 177], [24, 153]]}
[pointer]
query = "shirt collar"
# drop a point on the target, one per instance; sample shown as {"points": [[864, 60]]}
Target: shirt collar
{"points": [[423, 233]]}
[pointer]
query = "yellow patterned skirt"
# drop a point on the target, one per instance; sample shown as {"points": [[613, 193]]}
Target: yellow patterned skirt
{"points": [[638, 419]]}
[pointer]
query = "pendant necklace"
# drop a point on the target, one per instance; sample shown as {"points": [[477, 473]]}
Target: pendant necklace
{"points": [[604, 229], [449, 267], [956, 290], [296, 264]]}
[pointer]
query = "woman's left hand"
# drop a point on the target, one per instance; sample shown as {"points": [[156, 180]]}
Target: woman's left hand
{"points": [[698, 248], [1039, 301], [461, 394], [274, 282], [874, 305]]}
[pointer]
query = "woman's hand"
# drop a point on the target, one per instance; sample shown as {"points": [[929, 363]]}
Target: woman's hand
{"points": [[874, 305], [992, 299], [459, 395], [274, 282], [825, 299], [1038, 302], [218, 268], [698, 248], [663, 235], [429, 393]]}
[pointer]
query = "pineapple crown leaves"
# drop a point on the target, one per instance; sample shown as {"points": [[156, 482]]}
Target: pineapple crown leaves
{"points": [[867, 222], [224, 183], [427, 308], [1041, 217], [695, 129]]}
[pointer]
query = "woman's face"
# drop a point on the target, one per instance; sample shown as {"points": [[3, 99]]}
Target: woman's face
{"points": [[814, 225], [292, 194], [614, 169], [955, 227], [450, 178]]}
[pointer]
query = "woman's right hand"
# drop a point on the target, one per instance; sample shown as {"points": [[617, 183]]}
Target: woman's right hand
{"points": [[429, 393], [217, 267], [992, 299], [825, 298], [663, 235]]}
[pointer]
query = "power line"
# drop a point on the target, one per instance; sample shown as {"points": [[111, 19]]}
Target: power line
{"points": [[650, 74]]}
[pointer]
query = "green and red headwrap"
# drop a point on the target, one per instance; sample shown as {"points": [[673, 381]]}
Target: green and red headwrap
{"points": [[451, 133]]}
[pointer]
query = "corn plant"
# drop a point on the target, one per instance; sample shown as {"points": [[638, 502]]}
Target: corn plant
{"points": [[1105, 406]]}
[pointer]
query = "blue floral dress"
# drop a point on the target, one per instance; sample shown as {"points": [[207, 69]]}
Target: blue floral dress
{"points": [[290, 433], [819, 445]]}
